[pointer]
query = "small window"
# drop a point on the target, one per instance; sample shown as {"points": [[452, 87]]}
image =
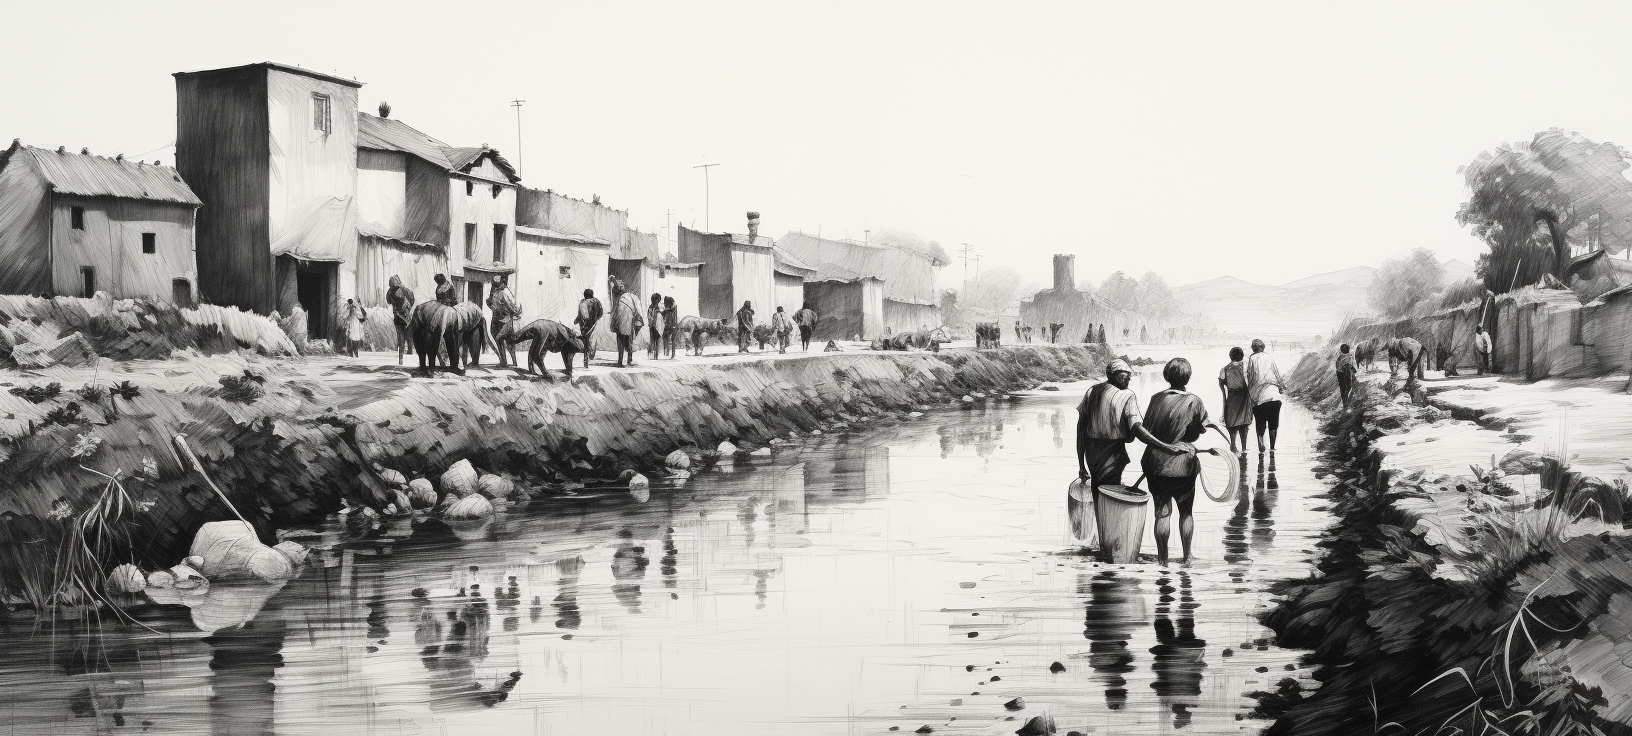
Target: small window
{"points": [[76, 218], [470, 189], [470, 241], [496, 190], [566, 272], [87, 281], [498, 243], [150, 243], [320, 113]]}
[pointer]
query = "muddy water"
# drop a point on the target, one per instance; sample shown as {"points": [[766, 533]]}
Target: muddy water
{"points": [[911, 576]]}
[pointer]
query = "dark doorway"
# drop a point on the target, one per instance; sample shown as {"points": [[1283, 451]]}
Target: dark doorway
{"points": [[87, 281], [314, 287], [473, 292], [181, 292]]}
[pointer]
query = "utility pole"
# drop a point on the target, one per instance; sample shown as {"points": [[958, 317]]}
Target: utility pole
{"points": [[517, 104], [707, 225], [965, 250], [668, 230]]}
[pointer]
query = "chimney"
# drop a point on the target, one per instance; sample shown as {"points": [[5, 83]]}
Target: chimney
{"points": [[753, 226], [1065, 266], [385, 109]]}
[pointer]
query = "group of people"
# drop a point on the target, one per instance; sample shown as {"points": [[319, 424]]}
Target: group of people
{"points": [[1401, 351], [1022, 332], [782, 327], [1109, 418]]}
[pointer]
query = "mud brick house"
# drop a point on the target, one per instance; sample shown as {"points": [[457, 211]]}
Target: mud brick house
{"points": [[908, 275], [73, 224], [734, 269]]}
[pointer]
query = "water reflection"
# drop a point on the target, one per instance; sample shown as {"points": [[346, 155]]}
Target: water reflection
{"points": [[566, 600], [1178, 654], [1114, 610], [628, 569], [244, 661], [1265, 496]]}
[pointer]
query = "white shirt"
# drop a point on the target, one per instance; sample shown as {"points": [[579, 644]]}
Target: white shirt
{"points": [[1263, 378]]}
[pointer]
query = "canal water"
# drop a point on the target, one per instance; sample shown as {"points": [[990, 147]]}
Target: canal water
{"points": [[888, 580]]}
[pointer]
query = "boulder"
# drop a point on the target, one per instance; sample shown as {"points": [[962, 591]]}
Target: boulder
{"points": [[400, 504], [230, 549], [460, 479], [126, 578], [161, 579], [471, 506], [495, 486], [186, 578], [761, 452], [726, 449], [392, 477], [678, 460], [421, 494], [1041, 725]]}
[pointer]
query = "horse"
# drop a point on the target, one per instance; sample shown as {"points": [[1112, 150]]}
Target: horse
{"points": [[459, 330], [694, 329], [1365, 353], [931, 340]]}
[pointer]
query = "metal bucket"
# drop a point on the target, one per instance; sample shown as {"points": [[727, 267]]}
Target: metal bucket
{"points": [[1121, 512], [1079, 504]]}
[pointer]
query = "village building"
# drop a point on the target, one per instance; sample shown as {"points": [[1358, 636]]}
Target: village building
{"points": [[566, 247], [73, 224], [734, 269], [680, 280], [848, 305], [789, 275], [1596, 273], [910, 301], [1065, 304]]}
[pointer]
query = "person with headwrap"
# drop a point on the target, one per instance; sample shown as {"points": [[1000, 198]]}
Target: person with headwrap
{"points": [[401, 300], [1107, 420]]}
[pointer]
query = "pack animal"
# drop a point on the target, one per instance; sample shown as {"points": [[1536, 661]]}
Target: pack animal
{"points": [[453, 335], [1365, 353], [545, 336], [693, 330]]}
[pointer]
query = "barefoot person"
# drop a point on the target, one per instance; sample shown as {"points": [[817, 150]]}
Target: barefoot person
{"points": [[1177, 418], [1107, 420], [1265, 383], [1232, 380]]}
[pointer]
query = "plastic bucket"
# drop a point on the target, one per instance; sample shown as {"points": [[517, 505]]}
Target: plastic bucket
{"points": [[1121, 511], [1080, 508]]}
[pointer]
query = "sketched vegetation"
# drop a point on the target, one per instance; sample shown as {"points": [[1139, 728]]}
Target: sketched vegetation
{"points": [[1502, 636]]}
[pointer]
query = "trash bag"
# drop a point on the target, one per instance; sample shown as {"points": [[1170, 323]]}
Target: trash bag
{"points": [[460, 479], [473, 506], [231, 550], [495, 486]]}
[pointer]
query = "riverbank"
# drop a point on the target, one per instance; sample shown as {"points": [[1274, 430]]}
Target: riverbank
{"points": [[1477, 572], [290, 445]]}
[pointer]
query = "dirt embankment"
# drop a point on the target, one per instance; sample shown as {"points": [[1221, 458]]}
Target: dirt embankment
{"points": [[1454, 596], [289, 448]]}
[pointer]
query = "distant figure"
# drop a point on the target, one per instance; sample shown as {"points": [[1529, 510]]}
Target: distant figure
{"points": [[1102, 334], [1232, 380], [626, 323], [1054, 332], [506, 314], [1345, 372], [745, 326], [353, 319], [401, 301], [1481, 348], [1107, 420], [445, 291], [671, 324], [1265, 382], [1027, 330], [1176, 417], [806, 319], [1019, 335], [589, 315], [1409, 352], [782, 325], [654, 327]]}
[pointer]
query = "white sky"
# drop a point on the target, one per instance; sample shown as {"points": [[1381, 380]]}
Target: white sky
{"points": [[1269, 141]]}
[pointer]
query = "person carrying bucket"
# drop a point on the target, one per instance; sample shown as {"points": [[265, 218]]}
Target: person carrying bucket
{"points": [[1174, 416], [1107, 420]]}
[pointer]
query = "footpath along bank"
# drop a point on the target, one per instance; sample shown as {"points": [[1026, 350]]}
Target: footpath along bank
{"points": [[1478, 576], [289, 447]]}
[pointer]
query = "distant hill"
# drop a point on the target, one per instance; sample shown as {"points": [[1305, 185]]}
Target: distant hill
{"points": [[1314, 305]]}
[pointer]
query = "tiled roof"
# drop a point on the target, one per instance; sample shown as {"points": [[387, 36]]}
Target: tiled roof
{"points": [[86, 175]]}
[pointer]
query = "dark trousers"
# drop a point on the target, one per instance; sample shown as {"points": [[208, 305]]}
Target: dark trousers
{"points": [[587, 334], [670, 336], [804, 336], [626, 344], [1484, 361], [1345, 382], [1105, 460], [743, 336], [655, 339]]}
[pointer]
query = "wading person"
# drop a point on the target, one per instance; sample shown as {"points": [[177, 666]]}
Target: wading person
{"points": [[626, 322], [806, 319], [745, 326], [445, 291], [1481, 349], [402, 304], [589, 315], [1232, 380], [671, 324], [1345, 372], [1265, 383], [1177, 418], [654, 327], [1107, 420], [782, 326], [506, 315]]}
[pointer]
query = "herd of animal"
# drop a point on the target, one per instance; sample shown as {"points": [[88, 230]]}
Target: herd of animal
{"points": [[1400, 351]]}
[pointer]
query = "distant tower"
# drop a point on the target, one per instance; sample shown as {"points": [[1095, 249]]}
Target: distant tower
{"points": [[1065, 267]]}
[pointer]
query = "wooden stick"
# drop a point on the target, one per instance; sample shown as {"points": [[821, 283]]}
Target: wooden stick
{"points": [[187, 450]]}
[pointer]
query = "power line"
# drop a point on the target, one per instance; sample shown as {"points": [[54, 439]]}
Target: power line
{"points": [[707, 207], [517, 104]]}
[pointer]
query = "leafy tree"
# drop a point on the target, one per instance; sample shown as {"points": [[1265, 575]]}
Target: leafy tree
{"points": [[997, 290], [1404, 283], [1529, 200], [1120, 291], [911, 241], [1155, 299]]}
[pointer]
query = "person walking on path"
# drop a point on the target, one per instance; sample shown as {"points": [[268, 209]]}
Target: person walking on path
{"points": [[1102, 333], [353, 320], [1232, 380], [589, 315], [782, 326], [745, 326], [626, 322], [1345, 372], [506, 316], [1265, 383], [1107, 420], [401, 301], [806, 319], [1481, 348], [1177, 418], [671, 324], [445, 291], [654, 327]]}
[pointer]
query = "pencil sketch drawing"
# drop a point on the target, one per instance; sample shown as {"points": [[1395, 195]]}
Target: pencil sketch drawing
{"points": [[1056, 369]]}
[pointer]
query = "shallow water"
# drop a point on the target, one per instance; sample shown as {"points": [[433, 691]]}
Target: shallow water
{"points": [[909, 576]]}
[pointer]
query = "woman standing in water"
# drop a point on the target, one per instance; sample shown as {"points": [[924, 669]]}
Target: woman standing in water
{"points": [[1177, 418], [1232, 381]]}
